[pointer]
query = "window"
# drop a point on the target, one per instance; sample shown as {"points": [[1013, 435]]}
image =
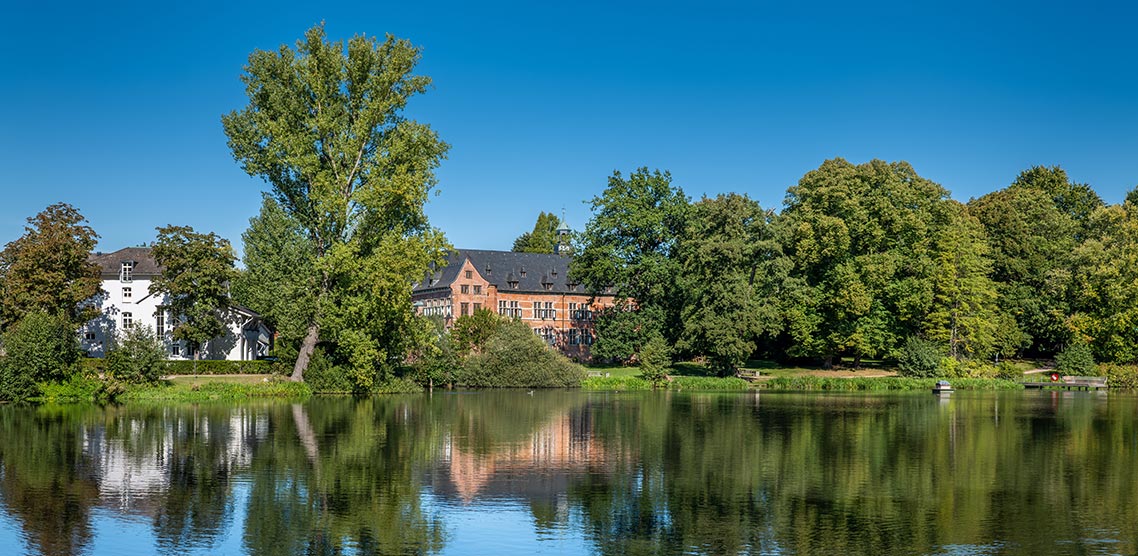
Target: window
{"points": [[573, 338], [550, 312], [127, 321], [160, 323], [502, 308], [126, 294], [477, 289], [537, 309], [465, 309], [469, 274], [89, 336], [126, 274], [465, 288], [477, 307], [175, 349]]}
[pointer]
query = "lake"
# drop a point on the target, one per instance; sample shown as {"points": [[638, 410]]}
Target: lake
{"points": [[569, 472]]}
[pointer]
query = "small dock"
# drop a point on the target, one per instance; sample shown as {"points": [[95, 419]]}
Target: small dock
{"points": [[1071, 383]]}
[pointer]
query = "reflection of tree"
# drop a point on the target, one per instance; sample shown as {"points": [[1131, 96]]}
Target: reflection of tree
{"points": [[45, 479], [810, 474], [366, 493]]}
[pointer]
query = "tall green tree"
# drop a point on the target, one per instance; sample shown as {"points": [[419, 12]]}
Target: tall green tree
{"points": [[543, 238], [325, 127], [280, 278], [629, 248], [732, 269], [48, 269], [197, 270], [963, 318], [860, 238], [1034, 227], [1104, 312]]}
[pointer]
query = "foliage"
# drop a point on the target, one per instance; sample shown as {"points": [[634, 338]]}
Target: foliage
{"points": [[616, 383], [681, 383], [1008, 371], [629, 247], [325, 127], [197, 269], [1119, 376], [622, 330], [279, 280], [48, 269], [1076, 359], [732, 264], [471, 332], [819, 383], [78, 388], [437, 360], [38, 348], [217, 391], [963, 312], [136, 357], [543, 238], [919, 358], [514, 357], [654, 360], [861, 239]]}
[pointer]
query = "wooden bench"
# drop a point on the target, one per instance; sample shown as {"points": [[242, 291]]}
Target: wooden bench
{"points": [[747, 374]]}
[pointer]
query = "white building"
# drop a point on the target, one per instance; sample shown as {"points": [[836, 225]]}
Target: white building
{"points": [[127, 302]]}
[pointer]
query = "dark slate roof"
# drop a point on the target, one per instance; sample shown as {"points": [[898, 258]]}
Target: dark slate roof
{"points": [[111, 263], [501, 267]]}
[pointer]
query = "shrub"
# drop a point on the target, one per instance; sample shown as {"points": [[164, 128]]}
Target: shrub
{"points": [[78, 388], [919, 358], [655, 357], [1120, 376], [324, 376], [1008, 371], [137, 357], [514, 357], [1076, 359], [213, 367], [38, 348]]}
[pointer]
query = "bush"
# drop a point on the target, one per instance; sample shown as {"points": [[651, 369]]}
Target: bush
{"points": [[655, 357], [137, 357], [919, 358], [324, 376], [38, 348], [1076, 359], [1008, 371], [78, 388], [514, 357], [213, 367], [1120, 376]]}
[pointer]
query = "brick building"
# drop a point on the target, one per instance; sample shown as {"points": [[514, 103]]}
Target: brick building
{"points": [[534, 288]]}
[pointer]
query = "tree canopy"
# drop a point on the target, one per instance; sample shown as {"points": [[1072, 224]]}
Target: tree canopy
{"points": [[543, 238], [325, 128], [197, 270], [48, 269]]}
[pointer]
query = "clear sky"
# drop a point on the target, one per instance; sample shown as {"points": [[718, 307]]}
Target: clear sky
{"points": [[114, 107]]}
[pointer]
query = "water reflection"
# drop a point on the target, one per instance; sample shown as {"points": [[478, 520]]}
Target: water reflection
{"points": [[569, 472]]}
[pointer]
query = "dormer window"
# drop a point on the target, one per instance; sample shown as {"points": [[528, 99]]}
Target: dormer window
{"points": [[513, 284], [126, 274], [523, 271]]}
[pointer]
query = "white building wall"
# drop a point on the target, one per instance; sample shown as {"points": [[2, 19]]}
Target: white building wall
{"points": [[130, 303]]}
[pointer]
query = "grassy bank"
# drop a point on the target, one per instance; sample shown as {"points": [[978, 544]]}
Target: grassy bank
{"points": [[810, 383], [679, 383], [216, 390]]}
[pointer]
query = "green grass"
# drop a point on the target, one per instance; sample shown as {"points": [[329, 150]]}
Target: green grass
{"points": [[818, 383], [680, 383], [216, 390]]}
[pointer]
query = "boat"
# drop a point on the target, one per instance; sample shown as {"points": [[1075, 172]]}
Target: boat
{"points": [[942, 387]]}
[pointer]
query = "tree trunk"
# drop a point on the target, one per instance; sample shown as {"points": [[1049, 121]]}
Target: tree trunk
{"points": [[304, 357]]}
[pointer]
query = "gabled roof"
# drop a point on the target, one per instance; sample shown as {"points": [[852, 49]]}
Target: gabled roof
{"points": [[111, 263], [531, 271]]}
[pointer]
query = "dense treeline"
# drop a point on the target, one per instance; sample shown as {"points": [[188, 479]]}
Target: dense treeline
{"points": [[864, 261]]}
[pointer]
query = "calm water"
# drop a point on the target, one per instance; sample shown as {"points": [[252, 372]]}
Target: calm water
{"points": [[578, 473]]}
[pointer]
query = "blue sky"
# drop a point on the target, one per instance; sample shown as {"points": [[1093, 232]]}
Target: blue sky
{"points": [[115, 108]]}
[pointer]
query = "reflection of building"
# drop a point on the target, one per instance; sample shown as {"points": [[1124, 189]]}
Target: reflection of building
{"points": [[538, 465], [535, 288], [127, 302]]}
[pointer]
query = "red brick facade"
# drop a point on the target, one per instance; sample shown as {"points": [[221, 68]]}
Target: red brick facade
{"points": [[558, 311]]}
